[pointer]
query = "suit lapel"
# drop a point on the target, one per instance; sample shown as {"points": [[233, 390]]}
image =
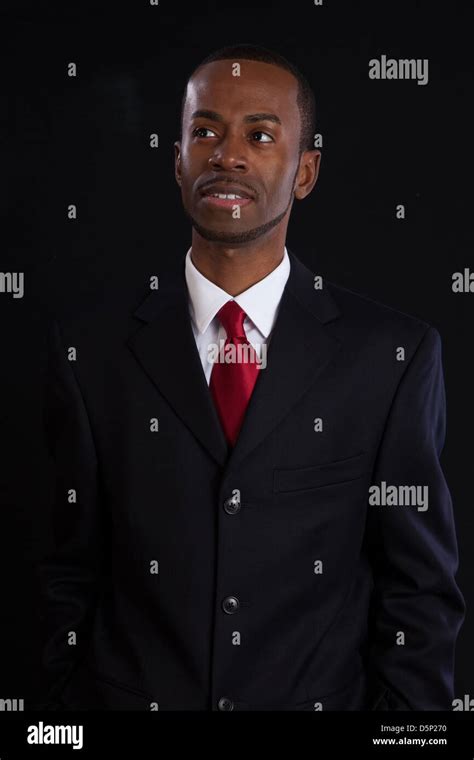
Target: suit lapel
{"points": [[299, 349], [165, 348]]}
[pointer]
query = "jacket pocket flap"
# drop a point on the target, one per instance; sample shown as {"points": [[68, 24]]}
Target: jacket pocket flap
{"points": [[325, 474]]}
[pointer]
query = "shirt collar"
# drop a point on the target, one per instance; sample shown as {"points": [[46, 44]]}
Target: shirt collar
{"points": [[260, 301]]}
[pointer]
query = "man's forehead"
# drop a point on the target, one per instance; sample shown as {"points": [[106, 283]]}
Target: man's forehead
{"points": [[251, 82]]}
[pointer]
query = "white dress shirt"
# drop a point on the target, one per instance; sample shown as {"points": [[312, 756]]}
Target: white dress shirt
{"points": [[260, 302]]}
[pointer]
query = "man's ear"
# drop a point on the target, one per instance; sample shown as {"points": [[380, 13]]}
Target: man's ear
{"points": [[177, 162], [308, 173]]}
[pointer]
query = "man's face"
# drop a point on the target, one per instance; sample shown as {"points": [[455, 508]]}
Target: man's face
{"points": [[240, 136]]}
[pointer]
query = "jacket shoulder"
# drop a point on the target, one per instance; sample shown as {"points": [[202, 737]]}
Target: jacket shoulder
{"points": [[363, 314]]}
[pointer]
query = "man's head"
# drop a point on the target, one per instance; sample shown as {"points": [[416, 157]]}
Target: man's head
{"points": [[247, 128]]}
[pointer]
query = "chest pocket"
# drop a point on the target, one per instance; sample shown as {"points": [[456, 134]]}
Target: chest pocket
{"points": [[328, 473]]}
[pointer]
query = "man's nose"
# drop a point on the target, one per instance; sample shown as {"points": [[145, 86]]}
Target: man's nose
{"points": [[229, 154]]}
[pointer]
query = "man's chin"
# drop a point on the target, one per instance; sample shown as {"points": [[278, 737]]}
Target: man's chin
{"points": [[225, 236], [240, 237]]}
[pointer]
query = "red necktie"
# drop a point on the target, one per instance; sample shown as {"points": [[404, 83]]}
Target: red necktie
{"points": [[232, 382]]}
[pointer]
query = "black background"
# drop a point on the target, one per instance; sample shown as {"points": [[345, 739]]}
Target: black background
{"points": [[85, 140]]}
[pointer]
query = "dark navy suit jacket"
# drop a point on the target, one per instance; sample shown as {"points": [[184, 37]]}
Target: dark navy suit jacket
{"points": [[188, 576]]}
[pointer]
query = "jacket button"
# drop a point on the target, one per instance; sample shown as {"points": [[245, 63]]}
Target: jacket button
{"points": [[230, 604], [232, 505], [225, 704]]}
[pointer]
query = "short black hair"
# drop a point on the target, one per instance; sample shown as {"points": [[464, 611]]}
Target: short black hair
{"points": [[305, 97]]}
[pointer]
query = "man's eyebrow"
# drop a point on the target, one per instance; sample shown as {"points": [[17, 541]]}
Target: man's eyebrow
{"points": [[253, 117], [263, 117]]}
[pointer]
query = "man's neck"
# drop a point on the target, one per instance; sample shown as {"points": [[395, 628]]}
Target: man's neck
{"points": [[236, 269]]}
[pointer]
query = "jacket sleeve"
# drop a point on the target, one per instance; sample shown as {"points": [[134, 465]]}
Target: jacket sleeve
{"points": [[71, 572], [418, 608]]}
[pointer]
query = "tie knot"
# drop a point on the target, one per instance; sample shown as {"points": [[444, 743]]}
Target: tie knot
{"points": [[232, 316]]}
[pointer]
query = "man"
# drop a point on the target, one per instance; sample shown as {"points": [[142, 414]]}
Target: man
{"points": [[250, 508]]}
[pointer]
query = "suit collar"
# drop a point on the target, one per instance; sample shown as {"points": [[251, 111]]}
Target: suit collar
{"points": [[300, 283], [300, 348]]}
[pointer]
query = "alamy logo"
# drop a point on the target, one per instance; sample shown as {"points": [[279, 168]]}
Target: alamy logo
{"points": [[12, 282], [12, 705], [466, 704], [463, 282], [403, 68], [46, 734], [242, 353], [394, 496]]}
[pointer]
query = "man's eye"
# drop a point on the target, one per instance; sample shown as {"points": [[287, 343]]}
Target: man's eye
{"points": [[201, 129], [196, 133], [270, 138]]}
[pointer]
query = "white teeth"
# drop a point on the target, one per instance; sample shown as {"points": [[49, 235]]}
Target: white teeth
{"points": [[224, 197]]}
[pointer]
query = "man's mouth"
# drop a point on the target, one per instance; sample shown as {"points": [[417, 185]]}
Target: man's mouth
{"points": [[226, 195], [226, 200]]}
